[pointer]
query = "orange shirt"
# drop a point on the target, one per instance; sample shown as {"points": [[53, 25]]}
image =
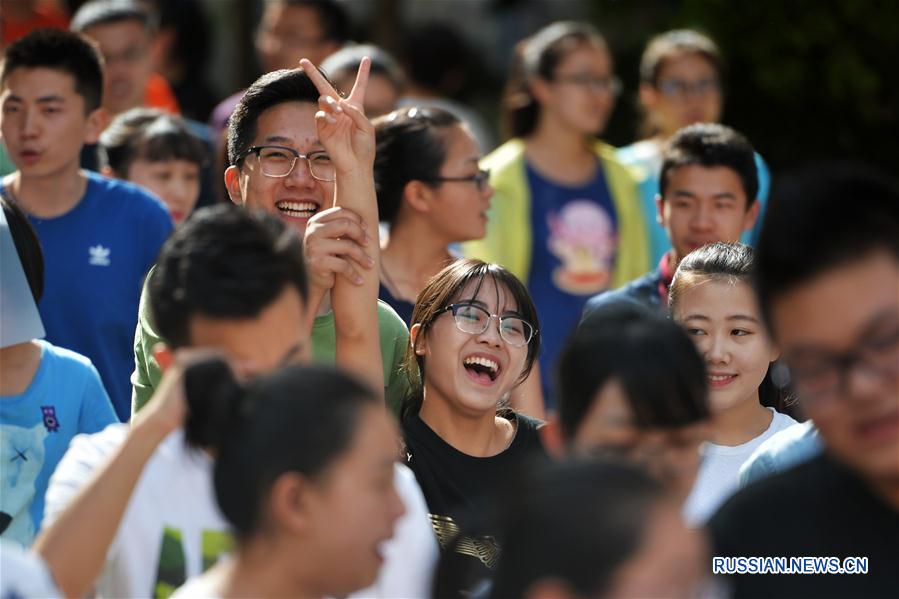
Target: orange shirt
{"points": [[41, 17], [159, 95]]}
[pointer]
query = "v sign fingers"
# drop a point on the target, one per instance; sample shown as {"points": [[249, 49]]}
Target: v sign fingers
{"points": [[357, 96]]}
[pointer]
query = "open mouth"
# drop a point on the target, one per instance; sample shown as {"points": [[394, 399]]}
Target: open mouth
{"points": [[297, 209], [481, 369]]}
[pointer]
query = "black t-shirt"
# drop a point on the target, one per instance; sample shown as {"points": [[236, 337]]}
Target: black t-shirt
{"points": [[455, 484], [817, 509]]}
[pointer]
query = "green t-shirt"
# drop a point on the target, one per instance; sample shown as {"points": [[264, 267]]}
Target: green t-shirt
{"points": [[394, 339]]}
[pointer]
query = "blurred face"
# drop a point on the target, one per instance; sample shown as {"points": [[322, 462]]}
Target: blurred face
{"points": [[460, 207], [723, 320], [287, 34], [43, 122], [581, 94], [848, 315], [353, 508], [610, 427], [381, 95], [672, 560], [125, 46], [471, 372], [704, 205], [257, 345], [687, 91], [176, 182], [296, 197]]}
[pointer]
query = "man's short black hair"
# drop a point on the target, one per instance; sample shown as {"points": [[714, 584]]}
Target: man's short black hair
{"points": [[224, 262], [104, 12], [821, 218], [710, 145], [61, 51], [277, 87], [332, 18]]}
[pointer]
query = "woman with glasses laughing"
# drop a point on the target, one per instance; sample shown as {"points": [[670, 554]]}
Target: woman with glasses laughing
{"points": [[474, 338]]}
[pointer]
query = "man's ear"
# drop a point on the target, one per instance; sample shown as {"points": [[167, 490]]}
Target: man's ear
{"points": [[97, 121], [232, 184], [419, 348], [752, 214], [660, 209], [551, 436], [163, 356]]}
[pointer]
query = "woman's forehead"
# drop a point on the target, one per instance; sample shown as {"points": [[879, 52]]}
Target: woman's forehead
{"points": [[487, 291]]}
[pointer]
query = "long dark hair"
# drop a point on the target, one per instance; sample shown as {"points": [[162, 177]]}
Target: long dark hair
{"points": [[728, 262], [442, 290], [297, 419], [538, 57]]}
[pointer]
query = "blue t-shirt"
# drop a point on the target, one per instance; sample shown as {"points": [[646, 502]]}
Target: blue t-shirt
{"points": [[575, 239], [64, 398], [95, 259], [402, 307]]}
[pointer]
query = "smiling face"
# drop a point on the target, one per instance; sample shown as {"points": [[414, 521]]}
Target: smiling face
{"points": [[687, 90], [296, 197], [176, 182], [572, 99], [354, 506], [702, 205], [125, 46], [853, 308], [459, 208], [44, 123], [723, 320], [471, 373]]}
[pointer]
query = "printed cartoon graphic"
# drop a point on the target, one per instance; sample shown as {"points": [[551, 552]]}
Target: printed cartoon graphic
{"points": [[582, 237], [51, 423], [21, 460]]}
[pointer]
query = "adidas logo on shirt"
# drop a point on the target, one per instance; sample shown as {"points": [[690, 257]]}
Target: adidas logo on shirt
{"points": [[99, 255]]}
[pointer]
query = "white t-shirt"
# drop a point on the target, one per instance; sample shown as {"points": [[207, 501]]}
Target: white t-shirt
{"points": [[24, 574], [718, 476], [172, 528], [409, 557]]}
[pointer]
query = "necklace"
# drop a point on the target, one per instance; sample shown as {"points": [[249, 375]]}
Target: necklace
{"points": [[388, 282]]}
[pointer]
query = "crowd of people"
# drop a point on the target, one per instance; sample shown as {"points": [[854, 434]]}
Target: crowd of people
{"points": [[334, 343]]}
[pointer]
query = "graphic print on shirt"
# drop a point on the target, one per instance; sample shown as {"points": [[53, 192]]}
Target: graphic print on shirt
{"points": [[484, 548], [21, 460], [99, 255], [171, 571], [51, 422], [582, 236]]}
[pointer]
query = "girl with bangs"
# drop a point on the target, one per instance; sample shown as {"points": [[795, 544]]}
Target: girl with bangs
{"points": [[156, 150], [474, 338], [712, 297]]}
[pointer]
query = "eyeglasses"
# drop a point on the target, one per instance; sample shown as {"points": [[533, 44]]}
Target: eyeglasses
{"points": [[278, 161], [474, 320], [602, 85], [678, 88], [479, 179], [821, 380]]}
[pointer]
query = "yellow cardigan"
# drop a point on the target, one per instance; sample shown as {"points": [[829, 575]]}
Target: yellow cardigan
{"points": [[508, 241]]}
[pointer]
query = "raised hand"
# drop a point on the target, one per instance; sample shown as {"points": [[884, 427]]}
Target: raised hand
{"points": [[343, 129]]}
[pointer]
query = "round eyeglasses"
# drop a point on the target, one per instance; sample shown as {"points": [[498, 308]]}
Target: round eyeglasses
{"points": [[278, 161], [474, 320]]}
